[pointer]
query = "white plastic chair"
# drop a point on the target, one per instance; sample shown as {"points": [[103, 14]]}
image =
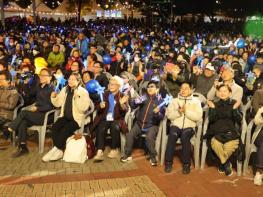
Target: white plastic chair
{"points": [[87, 119], [20, 104], [204, 146], [250, 143], [130, 120], [41, 129], [195, 141], [202, 99], [245, 108], [123, 136]]}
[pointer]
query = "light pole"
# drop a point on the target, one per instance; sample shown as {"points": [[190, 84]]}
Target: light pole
{"points": [[34, 11], [79, 9], [2, 13]]}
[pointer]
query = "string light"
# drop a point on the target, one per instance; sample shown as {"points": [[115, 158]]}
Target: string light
{"points": [[10, 8]]}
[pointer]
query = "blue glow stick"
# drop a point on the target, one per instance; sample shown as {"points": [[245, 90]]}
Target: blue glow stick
{"points": [[100, 91], [166, 101], [61, 82]]}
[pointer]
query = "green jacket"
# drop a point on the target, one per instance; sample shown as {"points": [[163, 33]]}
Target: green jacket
{"points": [[55, 60]]}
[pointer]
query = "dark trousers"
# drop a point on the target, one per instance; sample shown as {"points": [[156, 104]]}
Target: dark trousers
{"points": [[24, 120], [150, 139], [3, 127], [259, 144], [101, 133], [185, 135], [61, 130]]}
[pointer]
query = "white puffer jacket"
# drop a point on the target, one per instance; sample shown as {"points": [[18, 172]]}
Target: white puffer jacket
{"points": [[80, 103], [193, 112]]}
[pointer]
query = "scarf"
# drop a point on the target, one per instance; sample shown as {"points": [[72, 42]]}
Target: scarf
{"points": [[111, 104]]}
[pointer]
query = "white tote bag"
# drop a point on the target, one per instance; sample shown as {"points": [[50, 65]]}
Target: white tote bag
{"points": [[76, 150]]}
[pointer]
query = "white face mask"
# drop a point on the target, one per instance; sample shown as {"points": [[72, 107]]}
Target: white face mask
{"points": [[136, 59], [35, 52]]}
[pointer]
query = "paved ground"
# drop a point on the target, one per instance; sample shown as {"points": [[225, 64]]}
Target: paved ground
{"points": [[28, 176]]}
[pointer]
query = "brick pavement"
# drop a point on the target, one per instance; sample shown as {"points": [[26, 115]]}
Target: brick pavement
{"points": [[122, 187], [31, 165], [29, 176]]}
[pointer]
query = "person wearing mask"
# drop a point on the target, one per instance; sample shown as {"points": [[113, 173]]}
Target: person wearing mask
{"points": [[35, 114], [74, 102]]}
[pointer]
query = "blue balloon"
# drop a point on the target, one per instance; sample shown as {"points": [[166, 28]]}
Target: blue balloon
{"points": [[148, 47], [240, 43], [252, 59], [106, 59], [92, 85]]}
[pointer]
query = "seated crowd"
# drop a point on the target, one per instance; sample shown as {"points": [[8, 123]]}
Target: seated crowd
{"points": [[138, 74]]}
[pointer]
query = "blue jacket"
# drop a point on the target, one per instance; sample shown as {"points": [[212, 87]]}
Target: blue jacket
{"points": [[83, 47], [145, 116]]}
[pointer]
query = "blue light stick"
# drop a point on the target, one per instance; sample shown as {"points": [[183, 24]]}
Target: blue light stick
{"points": [[166, 101], [100, 91], [250, 77], [61, 82]]}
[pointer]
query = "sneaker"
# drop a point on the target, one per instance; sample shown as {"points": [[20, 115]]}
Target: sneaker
{"points": [[57, 155], [168, 168], [126, 158], [153, 161], [99, 156], [47, 156], [186, 168], [228, 169], [221, 169], [114, 153], [258, 179], [20, 152]]}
